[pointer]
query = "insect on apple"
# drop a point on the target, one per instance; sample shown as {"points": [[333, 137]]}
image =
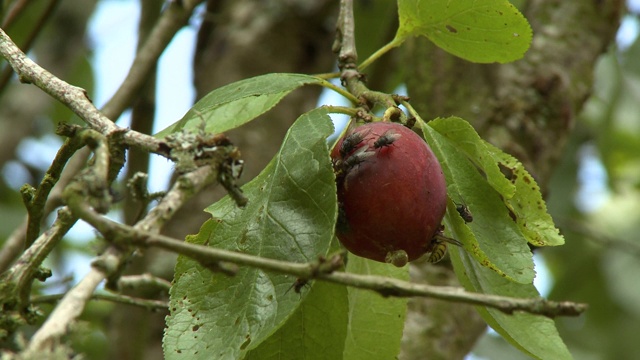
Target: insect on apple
{"points": [[386, 139], [350, 143]]}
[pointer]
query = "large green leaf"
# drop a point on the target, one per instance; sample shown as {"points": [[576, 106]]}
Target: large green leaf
{"points": [[536, 336], [493, 239], [470, 166], [235, 104], [519, 192], [290, 216], [375, 323], [335, 322], [317, 330], [482, 31]]}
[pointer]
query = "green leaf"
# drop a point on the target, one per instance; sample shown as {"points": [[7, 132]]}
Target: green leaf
{"points": [[375, 323], [519, 192], [482, 31], [470, 144], [290, 216], [317, 330], [236, 104], [470, 166], [335, 322], [534, 335], [527, 206], [493, 239]]}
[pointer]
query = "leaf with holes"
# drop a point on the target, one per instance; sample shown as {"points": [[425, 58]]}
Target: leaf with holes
{"points": [[493, 239], [534, 335], [527, 206]]}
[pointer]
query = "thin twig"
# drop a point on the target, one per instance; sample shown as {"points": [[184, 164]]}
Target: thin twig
{"points": [[148, 304], [174, 17], [22, 273], [69, 308], [36, 205], [144, 281]]}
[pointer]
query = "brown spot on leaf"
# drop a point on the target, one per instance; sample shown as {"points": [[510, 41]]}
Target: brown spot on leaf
{"points": [[451, 29], [246, 342], [507, 171]]}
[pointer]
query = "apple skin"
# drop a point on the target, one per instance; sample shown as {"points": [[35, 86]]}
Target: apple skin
{"points": [[392, 201]]}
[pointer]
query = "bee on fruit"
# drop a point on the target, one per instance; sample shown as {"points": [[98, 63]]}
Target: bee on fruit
{"points": [[386, 139], [437, 249]]}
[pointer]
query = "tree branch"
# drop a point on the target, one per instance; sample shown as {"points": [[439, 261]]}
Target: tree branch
{"points": [[73, 303], [144, 281], [35, 204], [383, 285], [73, 97], [149, 304], [345, 47], [5, 75], [172, 19], [22, 273]]}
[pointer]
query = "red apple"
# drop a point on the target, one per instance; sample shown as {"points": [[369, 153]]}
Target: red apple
{"points": [[391, 191]]}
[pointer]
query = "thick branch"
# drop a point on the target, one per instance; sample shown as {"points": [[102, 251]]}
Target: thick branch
{"points": [[345, 47]]}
